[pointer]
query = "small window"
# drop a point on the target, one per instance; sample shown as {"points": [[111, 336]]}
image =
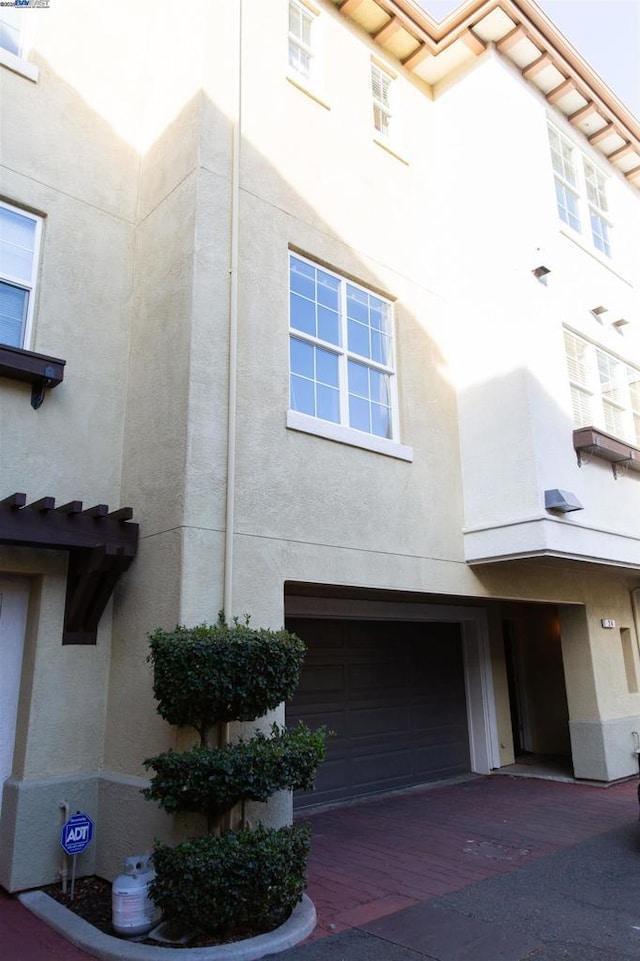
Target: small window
{"points": [[341, 351], [612, 391], [11, 30], [581, 195], [578, 367], [302, 28], [19, 246], [598, 209], [605, 391], [564, 168], [381, 83]]}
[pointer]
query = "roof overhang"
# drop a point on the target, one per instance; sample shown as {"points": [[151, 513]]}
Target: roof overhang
{"points": [[434, 51]]}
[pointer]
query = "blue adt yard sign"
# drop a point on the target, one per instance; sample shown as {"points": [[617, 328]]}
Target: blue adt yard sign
{"points": [[77, 833]]}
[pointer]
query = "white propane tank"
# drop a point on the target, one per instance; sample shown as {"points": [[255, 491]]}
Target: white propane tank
{"points": [[133, 911]]}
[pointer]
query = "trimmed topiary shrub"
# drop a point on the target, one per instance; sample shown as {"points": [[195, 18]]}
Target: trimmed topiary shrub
{"points": [[208, 675], [232, 883], [205, 677], [211, 780]]}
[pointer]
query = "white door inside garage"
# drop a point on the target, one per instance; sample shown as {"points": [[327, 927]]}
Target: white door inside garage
{"points": [[394, 694], [14, 593]]}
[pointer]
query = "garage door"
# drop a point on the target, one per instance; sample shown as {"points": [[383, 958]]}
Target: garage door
{"points": [[394, 694]]}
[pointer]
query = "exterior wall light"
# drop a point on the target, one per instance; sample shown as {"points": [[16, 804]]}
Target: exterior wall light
{"points": [[562, 501], [541, 273]]}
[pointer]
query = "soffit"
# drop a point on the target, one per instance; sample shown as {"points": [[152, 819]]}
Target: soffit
{"points": [[434, 51]]}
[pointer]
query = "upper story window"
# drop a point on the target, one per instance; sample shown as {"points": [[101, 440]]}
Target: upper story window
{"points": [[19, 246], [605, 390], [302, 30], [581, 195], [13, 45], [381, 83], [341, 351], [598, 207], [11, 30]]}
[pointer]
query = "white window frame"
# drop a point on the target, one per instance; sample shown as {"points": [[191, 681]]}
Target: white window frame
{"points": [[311, 78], [598, 207], [382, 97], [610, 405], [27, 284], [13, 17], [341, 430], [18, 62], [579, 179]]}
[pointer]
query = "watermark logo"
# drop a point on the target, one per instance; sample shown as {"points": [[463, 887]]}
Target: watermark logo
{"points": [[23, 4]]}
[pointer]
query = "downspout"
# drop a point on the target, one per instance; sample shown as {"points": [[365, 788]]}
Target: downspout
{"points": [[233, 334]]}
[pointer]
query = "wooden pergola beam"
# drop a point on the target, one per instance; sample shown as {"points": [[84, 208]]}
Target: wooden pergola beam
{"points": [[101, 545]]}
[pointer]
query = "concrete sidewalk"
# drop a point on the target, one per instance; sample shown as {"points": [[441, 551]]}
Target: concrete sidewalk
{"points": [[490, 869]]}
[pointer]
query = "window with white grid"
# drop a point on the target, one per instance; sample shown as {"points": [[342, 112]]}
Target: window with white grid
{"points": [[12, 30], [581, 192], [302, 29], [19, 245], [566, 180], [341, 351], [381, 83], [605, 390], [598, 207]]}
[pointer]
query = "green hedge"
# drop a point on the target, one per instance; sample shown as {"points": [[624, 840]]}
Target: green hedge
{"points": [[213, 780], [219, 885]]}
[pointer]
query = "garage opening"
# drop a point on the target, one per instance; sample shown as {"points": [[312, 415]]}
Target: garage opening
{"points": [[394, 694]]}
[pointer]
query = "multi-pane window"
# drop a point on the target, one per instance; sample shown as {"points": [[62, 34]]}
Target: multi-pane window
{"points": [[581, 195], [341, 350], [564, 168], [19, 242], [605, 391], [598, 208], [301, 30], [381, 98], [11, 24]]}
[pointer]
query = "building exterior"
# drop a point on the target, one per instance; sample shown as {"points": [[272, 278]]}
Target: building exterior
{"points": [[343, 304]]}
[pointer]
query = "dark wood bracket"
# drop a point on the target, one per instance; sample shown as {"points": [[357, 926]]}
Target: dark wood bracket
{"points": [[39, 370], [592, 442], [101, 544]]}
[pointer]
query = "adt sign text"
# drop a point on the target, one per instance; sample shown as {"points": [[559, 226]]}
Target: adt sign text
{"points": [[77, 833]]}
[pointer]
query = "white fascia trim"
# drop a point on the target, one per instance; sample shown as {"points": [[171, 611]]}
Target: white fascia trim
{"points": [[346, 435], [18, 65], [548, 537]]}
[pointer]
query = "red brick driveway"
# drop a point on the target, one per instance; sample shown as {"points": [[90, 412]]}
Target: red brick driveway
{"points": [[377, 857], [374, 858]]}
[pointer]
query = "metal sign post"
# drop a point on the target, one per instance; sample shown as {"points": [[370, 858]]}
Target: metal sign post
{"points": [[76, 835]]}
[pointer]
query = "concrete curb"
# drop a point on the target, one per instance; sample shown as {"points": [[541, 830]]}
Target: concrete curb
{"points": [[295, 929]]}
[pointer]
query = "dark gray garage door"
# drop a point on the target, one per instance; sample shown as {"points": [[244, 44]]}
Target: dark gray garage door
{"points": [[394, 694]]}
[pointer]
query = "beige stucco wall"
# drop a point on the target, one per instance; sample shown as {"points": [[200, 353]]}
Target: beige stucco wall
{"points": [[133, 171]]}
